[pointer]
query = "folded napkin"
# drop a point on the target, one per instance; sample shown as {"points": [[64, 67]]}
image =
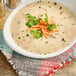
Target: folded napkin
{"points": [[26, 66]]}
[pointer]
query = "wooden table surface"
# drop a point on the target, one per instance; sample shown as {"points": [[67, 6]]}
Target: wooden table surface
{"points": [[7, 70]]}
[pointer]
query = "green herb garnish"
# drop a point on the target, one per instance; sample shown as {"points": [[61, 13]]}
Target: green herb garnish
{"points": [[51, 27], [30, 23], [22, 30], [37, 33], [46, 18], [60, 8], [39, 6], [19, 37], [46, 42], [45, 53], [32, 20], [63, 40], [41, 15], [55, 3], [27, 35], [37, 21], [30, 16], [32, 31], [42, 28], [63, 32]]}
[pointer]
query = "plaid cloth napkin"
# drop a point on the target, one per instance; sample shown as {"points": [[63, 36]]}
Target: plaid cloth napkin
{"points": [[26, 66]]}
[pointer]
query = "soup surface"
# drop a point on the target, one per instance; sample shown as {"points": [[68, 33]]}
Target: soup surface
{"points": [[43, 27]]}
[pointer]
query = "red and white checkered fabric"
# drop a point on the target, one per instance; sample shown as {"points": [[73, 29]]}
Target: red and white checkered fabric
{"points": [[51, 65]]}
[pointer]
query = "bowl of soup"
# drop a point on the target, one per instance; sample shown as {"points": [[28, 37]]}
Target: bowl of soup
{"points": [[41, 29]]}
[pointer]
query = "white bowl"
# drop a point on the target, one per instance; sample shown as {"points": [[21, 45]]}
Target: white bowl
{"points": [[9, 40]]}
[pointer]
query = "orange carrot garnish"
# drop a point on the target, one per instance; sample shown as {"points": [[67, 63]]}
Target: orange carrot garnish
{"points": [[48, 34], [54, 31], [43, 26], [42, 22], [28, 29], [44, 34]]}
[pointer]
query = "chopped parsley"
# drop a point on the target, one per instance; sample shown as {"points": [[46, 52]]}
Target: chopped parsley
{"points": [[63, 32], [32, 20], [46, 42], [55, 3], [22, 30], [41, 15], [39, 6], [19, 37], [37, 33], [39, 27], [30, 16], [46, 18], [27, 35], [45, 53], [63, 40], [30, 23], [51, 27], [60, 7], [37, 21]]}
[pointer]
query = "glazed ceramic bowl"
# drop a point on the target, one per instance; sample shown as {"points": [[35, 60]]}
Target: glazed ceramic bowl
{"points": [[9, 40]]}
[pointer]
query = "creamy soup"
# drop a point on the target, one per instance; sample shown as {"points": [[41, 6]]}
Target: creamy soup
{"points": [[43, 27]]}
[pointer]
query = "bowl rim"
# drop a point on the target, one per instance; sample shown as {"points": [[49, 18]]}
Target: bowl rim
{"points": [[9, 40]]}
